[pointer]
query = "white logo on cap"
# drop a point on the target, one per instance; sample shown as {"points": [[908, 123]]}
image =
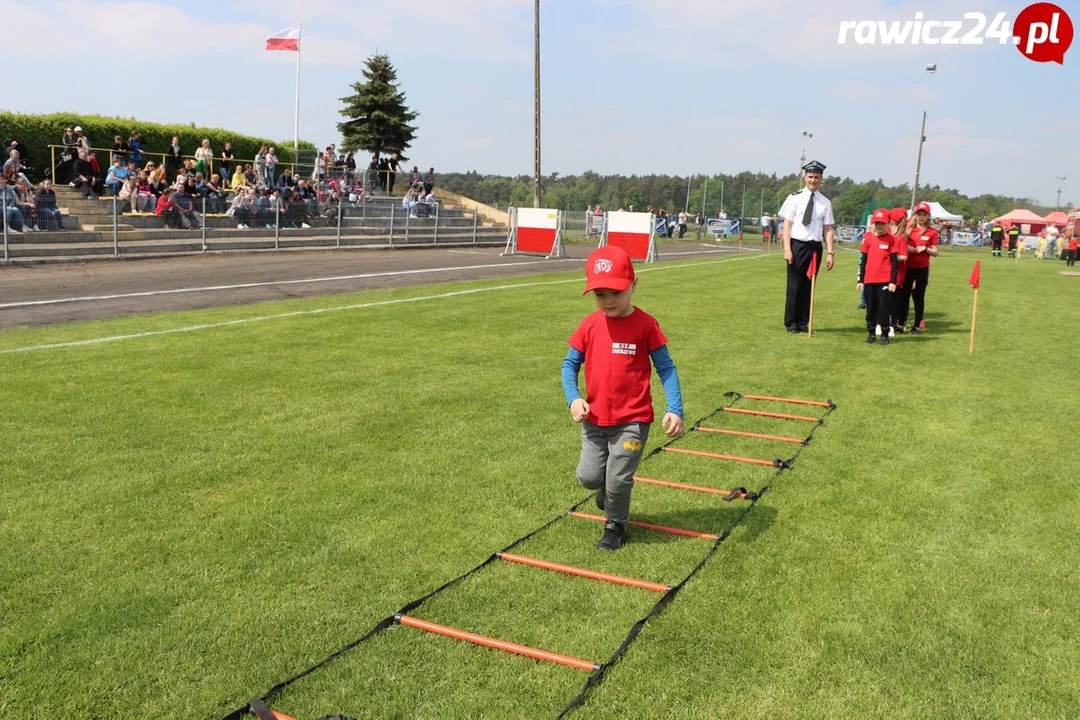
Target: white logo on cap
{"points": [[602, 265]]}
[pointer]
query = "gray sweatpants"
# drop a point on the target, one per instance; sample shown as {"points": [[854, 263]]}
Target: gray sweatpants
{"points": [[609, 458]]}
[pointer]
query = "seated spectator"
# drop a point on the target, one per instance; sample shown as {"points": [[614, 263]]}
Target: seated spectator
{"points": [[117, 175], [85, 177], [242, 207], [409, 201], [215, 194], [156, 178], [430, 199], [277, 207], [119, 149], [128, 195], [239, 180], [164, 208], [307, 194], [286, 180], [262, 208], [183, 207], [143, 200], [48, 214], [252, 178], [13, 216], [15, 165], [24, 198]]}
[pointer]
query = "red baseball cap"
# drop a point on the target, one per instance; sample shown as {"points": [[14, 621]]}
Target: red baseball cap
{"points": [[897, 214], [923, 207], [608, 268], [880, 215]]}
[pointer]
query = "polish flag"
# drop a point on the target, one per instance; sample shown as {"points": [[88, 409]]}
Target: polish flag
{"points": [[287, 39]]}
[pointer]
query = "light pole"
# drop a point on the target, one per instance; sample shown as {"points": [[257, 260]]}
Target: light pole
{"points": [[930, 70], [536, 110], [806, 137], [1060, 179]]}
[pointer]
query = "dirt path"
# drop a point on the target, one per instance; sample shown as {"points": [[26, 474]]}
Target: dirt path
{"points": [[69, 292]]}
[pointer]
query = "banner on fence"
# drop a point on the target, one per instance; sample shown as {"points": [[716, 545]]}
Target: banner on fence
{"points": [[594, 224], [661, 225], [725, 227], [634, 232], [967, 238], [535, 231], [850, 233]]}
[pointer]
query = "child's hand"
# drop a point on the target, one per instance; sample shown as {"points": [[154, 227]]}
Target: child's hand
{"points": [[858, 287], [892, 287], [672, 424], [579, 410]]}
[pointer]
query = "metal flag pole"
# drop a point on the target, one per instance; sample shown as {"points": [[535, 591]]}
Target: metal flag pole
{"points": [[296, 114], [686, 208]]}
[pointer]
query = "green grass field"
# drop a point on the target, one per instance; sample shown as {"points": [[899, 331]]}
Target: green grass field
{"points": [[188, 518]]}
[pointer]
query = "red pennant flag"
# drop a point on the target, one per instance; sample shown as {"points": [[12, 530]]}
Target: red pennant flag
{"points": [[975, 272], [812, 271]]}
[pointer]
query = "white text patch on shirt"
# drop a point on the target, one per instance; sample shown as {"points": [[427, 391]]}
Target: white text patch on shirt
{"points": [[623, 349]]}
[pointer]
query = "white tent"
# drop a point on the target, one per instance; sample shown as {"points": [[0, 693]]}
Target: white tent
{"points": [[937, 212]]}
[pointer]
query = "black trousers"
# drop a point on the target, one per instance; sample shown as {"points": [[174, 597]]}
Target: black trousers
{"points": [[878, 306], [1070, 258], [914, 289], [797, 307]]}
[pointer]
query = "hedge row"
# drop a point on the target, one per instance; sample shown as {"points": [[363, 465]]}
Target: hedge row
{"points": [[37, 132]]}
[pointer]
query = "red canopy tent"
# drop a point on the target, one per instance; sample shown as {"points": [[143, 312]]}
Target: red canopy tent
{"points": [[1023, 217], [1057, 218]]}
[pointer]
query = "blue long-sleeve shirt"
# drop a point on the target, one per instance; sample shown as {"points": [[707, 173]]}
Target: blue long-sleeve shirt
{"points": [[661, 359]]}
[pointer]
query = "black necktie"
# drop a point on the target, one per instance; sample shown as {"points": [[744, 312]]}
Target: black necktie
{"points": [[809, 214]]}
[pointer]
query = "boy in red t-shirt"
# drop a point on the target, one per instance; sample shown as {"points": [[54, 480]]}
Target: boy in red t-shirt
{"points": [[878, 268], [1070, 254], [616, 343]]}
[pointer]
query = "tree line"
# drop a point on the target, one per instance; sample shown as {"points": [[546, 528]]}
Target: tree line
{"points": [[745, 194]]}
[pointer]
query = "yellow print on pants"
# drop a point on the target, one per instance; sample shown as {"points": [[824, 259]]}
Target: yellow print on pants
{"points": [[631, 445]]}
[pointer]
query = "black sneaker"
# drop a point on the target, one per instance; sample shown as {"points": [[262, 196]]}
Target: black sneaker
{"points": [[884, 340], [915, 330], [601, 497], [862, 306], [870, 339], [899, 329], [614, 536]]}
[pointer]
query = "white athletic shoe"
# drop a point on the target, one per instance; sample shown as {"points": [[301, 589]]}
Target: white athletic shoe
{"points": [[892, 332], [305, 226], [877, 331]]}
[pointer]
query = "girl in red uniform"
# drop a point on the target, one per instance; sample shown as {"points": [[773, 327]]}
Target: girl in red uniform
{"points": [[879, 266], [898, 228], [922, 245]]}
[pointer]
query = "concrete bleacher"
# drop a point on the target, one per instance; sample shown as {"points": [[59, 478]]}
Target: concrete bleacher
{"points": [[381, 222]]}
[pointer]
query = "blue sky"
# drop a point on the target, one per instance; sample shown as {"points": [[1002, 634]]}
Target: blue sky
{"points": [[629, 86]]}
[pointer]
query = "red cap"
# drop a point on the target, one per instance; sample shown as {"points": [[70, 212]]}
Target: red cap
{"points": [[608, 268], [880, 215], [923, 207], [897, 214]]}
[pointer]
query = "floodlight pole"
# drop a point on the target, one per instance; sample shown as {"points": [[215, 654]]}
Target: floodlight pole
{"points": [[807, 136], [536, 108], [1060, 179], [930, 70]]}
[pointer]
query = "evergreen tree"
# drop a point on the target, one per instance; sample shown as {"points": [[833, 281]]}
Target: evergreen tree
{"points": [[378, 119]]}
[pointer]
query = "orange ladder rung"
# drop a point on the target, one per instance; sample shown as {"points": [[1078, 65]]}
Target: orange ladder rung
{"points": [[762, 413], [529, 652], [696, 488], [719, 456], [647, 526], [725, 431], [582, 572], [793, 401]]}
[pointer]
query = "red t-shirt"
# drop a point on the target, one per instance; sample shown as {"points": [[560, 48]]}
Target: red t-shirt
{"points": [[877, 249], [1073, 243], [921, 238], [617, 365]]}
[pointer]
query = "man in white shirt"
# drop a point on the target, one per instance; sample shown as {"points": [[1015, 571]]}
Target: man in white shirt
{"points": [[808, 219], [1051, 241], [765, 221]]}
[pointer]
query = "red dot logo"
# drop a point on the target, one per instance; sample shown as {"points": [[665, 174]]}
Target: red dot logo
{"points": [[1043, 32]]}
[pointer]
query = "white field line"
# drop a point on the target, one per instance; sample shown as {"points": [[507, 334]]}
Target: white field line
{"points": [[361, 306], [243, 286]]}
